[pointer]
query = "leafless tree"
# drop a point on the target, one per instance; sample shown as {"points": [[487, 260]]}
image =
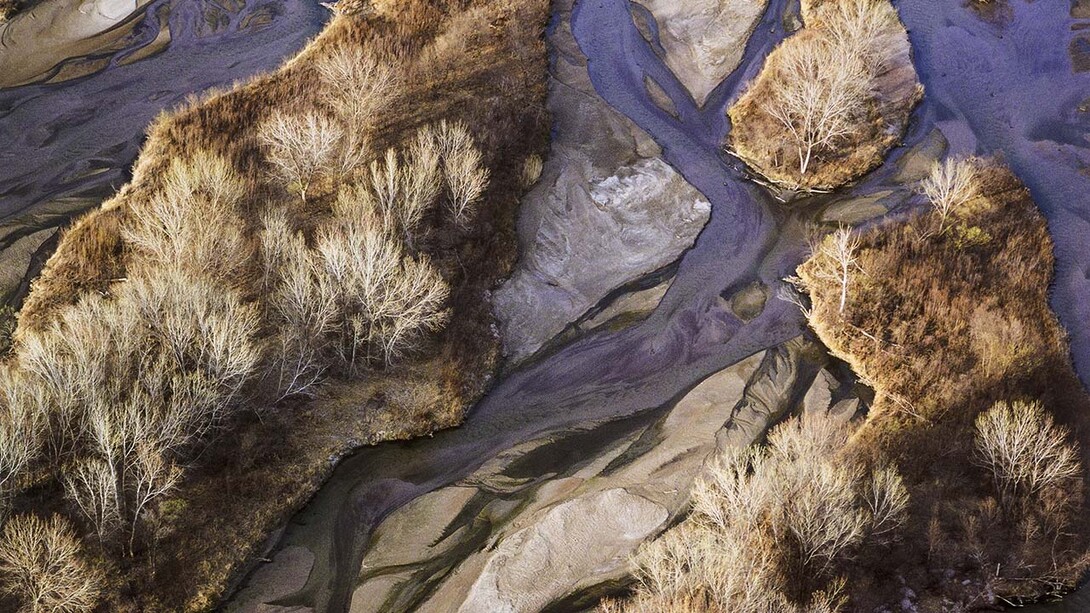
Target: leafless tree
{"points": [[861, 28], [838, 259], [1026, 452], [358, 87], [818, 96], [193, 219], [23, 419], [301, 147], [760, 510], [465, 176], [887, 500], [950, 185], [423, 180], [153, 475], [91, 484], [386, 298], [303, 308], [43, 566]]}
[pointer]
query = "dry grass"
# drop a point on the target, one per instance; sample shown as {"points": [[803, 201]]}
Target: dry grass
{"points": [[249, 259], [831, 99], [946, 316], [771, 527]]}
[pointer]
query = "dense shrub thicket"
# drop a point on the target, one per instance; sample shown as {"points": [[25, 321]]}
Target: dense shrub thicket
{"points": [[946, 315], [327, 221]]}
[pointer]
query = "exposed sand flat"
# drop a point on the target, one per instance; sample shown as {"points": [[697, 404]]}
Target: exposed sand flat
{"points": [[704, 39], [39, 38]]}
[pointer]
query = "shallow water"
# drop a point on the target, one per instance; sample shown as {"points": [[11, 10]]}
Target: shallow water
{"points": [[68, 145]]}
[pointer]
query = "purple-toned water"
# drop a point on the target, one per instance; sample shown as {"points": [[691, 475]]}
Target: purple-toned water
{"points": [[1013, 83], [74, 141], [991, 88], [1007, 84]]}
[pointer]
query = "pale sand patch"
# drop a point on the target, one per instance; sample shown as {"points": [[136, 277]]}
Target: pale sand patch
{"points": [[704, 39], [39, 38]]}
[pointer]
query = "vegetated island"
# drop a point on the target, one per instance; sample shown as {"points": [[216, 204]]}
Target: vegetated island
{"points": [[831, 99], [299, 266], [963, 485]]}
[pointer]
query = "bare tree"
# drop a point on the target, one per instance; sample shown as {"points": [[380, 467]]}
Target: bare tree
{"points": [[91, 484], [759, 511], [1026, 452], [887, 500], [23, 415], [860, 28], [950, 185], [43, 566], [193, 219], [303, 306], [837, 256], [465, 176], [386, 299], [301, 147], [153, 476], [358, 88], [818, 96], [423, 180], [404, 187]]}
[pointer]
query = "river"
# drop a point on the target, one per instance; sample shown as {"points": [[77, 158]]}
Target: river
{"points": [[1003, 87]]}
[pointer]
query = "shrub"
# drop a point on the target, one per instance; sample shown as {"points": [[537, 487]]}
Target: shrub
{"points": [[42, 565], [8, 8], [531, 170], [769, 526], [1025, 451]]}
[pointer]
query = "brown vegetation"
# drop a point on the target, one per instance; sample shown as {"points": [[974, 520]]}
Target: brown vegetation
{"points": [[947, 317], [8, 8], [42, 565], [831, 99], [771, 527], [339, 219]]}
